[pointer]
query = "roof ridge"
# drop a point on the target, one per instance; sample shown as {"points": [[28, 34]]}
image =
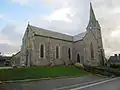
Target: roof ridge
{"points": [[50, 30], [50, 33]]}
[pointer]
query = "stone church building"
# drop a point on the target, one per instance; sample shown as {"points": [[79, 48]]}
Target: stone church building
{"points": [[41, 47]]}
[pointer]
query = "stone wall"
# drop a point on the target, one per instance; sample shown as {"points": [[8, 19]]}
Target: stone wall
{"points": [[15, 60], [50, 47]]}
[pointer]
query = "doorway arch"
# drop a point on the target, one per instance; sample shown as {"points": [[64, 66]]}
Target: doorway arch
{"points": [[78, 58]]}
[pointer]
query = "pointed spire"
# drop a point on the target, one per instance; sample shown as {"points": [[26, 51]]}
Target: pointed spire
{"points": [[92, 15], [92, 20]]}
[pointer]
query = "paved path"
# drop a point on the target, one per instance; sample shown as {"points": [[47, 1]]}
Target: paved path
{"points": [[49, 84]]}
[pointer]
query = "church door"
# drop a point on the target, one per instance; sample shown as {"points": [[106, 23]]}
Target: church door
{"points": [[78, 58]]}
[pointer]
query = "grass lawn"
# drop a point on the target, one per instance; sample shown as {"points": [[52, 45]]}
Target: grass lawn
{"points": [[40, 72]]}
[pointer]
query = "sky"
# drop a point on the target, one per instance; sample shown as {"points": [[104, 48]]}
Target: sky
{"points": [[65, 16]]}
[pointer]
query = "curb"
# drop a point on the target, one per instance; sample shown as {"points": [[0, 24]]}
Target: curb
{"points": [[40, 79], [28, 80]]}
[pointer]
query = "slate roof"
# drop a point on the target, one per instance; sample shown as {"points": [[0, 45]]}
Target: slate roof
{"points": [[79, 36], [48, 33], [16, 54]]}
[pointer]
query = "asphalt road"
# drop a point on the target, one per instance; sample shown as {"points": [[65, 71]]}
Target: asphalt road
{"points": [[111, 84], [49, 84]]}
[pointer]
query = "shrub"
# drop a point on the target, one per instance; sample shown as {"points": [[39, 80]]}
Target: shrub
{"points": [[79, 65], [115, 66]]}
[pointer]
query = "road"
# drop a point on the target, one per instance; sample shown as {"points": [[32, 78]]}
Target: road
{"points": [[49, 84], [111, 84], [79, 83]]}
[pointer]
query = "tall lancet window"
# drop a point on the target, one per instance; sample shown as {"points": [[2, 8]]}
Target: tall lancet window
{"points": [[42, 48], [57, 52], [69, 54], [92, 51]]}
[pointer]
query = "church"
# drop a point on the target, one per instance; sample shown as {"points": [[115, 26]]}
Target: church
{"points": [[41, 47]]}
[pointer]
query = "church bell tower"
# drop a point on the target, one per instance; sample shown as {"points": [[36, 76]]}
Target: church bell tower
{"points": [[95, 29]]}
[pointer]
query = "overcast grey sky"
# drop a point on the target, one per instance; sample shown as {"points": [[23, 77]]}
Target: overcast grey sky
{"points": [[65, 16]]}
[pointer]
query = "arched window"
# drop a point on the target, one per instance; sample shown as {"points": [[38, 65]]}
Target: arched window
{"points": [[57, 52], [78, 58], [42, 50], [92, 51], [69, 54]]}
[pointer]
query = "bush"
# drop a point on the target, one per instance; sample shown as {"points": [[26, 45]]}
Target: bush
{"points": [[78, 65], [97, 70], [115, 66]]}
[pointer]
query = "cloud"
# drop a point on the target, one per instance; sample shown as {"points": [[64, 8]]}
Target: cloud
{"points": [[68, 13], [14, 36], [63, 14], [25, 2], [1, 16], [4, 39], [7, 49], [10, 38], [22, 2], [4, 18], [71, 17], [107, 12]]}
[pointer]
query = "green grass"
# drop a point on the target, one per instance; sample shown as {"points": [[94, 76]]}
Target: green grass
{"points": [[40, 72]]}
